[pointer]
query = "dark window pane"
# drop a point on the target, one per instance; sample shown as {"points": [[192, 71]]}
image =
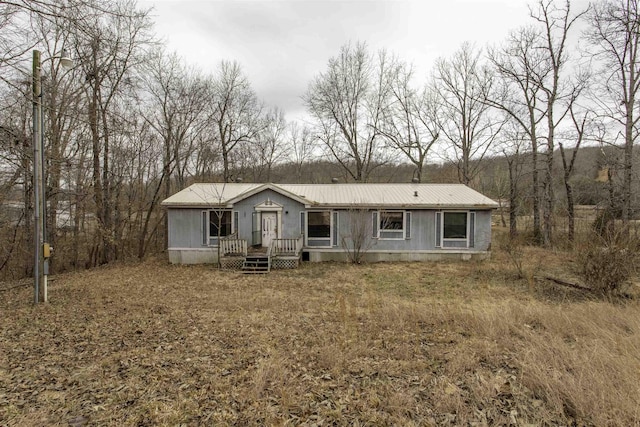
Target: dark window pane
{"points": [[319, 224], [455, 225], [391, 221], [221, 219]]}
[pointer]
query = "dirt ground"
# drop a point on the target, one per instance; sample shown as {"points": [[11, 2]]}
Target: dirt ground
{"points": [[445, 343]]}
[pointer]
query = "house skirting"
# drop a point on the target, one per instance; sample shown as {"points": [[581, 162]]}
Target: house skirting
{"points": [[277, 263], [193, 255], [315, 255], [210, 256]]}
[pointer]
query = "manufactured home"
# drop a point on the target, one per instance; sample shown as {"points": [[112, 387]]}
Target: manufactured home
{"points": [[327, 222]]}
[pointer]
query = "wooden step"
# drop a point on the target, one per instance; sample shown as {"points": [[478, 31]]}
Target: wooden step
{"points": [[255, 264]]}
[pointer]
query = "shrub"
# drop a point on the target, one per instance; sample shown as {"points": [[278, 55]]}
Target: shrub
{"points": [[358, 240], [604, 222], [607, 262], [514, 248]]}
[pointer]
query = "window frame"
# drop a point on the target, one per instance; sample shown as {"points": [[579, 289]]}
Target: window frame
{"points": [[327, 240], [212, 241], [468, 218], [381, 231]]}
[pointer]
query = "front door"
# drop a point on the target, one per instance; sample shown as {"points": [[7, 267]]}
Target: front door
{"points": [[269, 228]]}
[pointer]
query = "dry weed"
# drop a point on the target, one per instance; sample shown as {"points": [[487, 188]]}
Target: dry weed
{"points": [[387, 344]]}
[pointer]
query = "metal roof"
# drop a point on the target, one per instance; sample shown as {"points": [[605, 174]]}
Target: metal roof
{"points": [[208, 194], [402, 195]]}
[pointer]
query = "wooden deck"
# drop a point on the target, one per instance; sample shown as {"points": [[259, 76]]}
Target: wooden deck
{"points": [[281, 254]]}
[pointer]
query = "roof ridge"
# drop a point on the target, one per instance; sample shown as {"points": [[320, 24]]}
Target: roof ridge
{"points": [[422, 195]]}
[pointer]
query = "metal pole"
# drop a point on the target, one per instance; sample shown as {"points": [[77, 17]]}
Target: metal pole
{"points": [[43, 202], [37, 175]]}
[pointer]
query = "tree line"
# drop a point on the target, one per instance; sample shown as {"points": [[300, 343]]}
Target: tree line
{"points": [[131, 122]]}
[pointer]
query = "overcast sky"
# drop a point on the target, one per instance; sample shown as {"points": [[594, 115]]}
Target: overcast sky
{"points": [[282, 45]]}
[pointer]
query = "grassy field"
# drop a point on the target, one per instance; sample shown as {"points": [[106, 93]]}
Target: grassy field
{"points": [[326, 344]]}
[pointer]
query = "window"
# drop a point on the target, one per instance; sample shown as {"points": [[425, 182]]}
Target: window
{"points": [[221, 219], [391, 220], [319, 224], [319, 228], [455, 229], [391, 224], [455, 225]]}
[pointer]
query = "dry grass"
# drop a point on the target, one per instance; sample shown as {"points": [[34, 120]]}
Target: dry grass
{"points": [[385, 344]]}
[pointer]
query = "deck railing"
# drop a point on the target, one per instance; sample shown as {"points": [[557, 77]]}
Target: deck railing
{"points": [[233, 246], [269, 254], [290, 247]]}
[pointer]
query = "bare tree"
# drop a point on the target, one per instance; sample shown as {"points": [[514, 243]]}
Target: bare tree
{"points": [[514, 147], [51, 26], [62, 101], [177, 97], [15, 181], [206, 157], [140, 161], [268, 147], [462, 83], [300, 146], [21, 22], [559, 88], [77, 178], [16, 38], [357, 240], [175, 110], [347, 103], [614, 37], [411, 120], [107, 47], [581, 128], [235, 112], [517, 95]]}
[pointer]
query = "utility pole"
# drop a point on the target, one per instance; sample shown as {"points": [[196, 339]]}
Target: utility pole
{"points": [[42, 249], [37, 177]]}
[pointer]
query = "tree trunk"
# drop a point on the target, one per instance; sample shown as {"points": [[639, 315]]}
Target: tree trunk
{"points": [[547, 229], [28, 204], [108, 244], [627, 167], [513, 200], [570, 209], [142, 241], [465, 167], [98, 194], [537, 234], [548, 181], [54, 177], [225, 165], [610, 223]]}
